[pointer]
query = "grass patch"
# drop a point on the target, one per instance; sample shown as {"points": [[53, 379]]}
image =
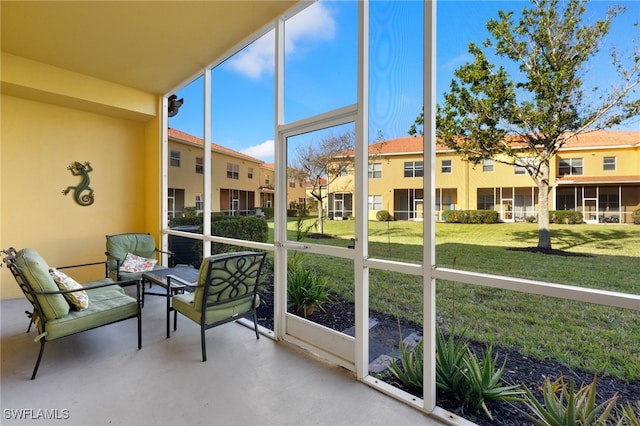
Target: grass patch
{"points": [[594, 338]]}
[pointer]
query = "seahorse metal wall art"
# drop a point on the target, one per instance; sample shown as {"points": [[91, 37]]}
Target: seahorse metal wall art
{"points": [[83, 170]]}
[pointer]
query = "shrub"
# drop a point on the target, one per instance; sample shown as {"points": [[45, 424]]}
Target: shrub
{"points": [[635, 216], [383, 216], [470, 216], [249, 228], [531, 219], [190, 217], [268, 212], [569, 217]]}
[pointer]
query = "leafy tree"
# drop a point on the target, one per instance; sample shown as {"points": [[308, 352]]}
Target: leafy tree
{"points": [[320, 164], [489, 114]]}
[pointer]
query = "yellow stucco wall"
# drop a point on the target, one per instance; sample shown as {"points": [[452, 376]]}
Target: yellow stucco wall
{"points": [[41, 138]]}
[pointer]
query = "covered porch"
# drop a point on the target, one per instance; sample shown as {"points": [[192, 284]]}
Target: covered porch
{"points": [[100, 377]]}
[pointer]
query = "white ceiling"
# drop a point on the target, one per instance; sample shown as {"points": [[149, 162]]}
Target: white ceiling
{"points": [[148, 45]]}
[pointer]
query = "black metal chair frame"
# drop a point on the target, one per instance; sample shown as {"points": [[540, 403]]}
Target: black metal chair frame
{"points": [[237, 284], [30, 294]]}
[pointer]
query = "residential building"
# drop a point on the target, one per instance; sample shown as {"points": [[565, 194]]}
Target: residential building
{"points": [[240, 183], [92, 82], [596, 173]]}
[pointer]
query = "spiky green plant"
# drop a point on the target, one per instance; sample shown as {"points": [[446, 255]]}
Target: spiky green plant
{"points": [[484, 379], [450, 356], [562, 406], [306, 289], [627, 415], [410, 370]]}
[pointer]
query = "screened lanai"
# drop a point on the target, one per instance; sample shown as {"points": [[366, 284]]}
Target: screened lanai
{"points": [[97, 78]]}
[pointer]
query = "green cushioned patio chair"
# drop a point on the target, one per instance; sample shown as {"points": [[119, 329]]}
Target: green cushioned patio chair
{"points": [[227, 290], [52, 314], [119, 245]]}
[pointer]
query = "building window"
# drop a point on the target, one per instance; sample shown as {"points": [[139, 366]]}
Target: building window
{"points": [[487, 165], [485, 202], [199, 165], [375, 202], [522, 163], [413, 169], [199, 205], [233, 171], [609, 164], [570, 166], [266, 179], [292, 183], [175, 158], [250, 173], [375, 171], [446, 166]]}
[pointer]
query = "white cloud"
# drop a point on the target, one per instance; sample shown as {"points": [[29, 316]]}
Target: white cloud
{"points": [[314, 24], [455, 63], [263, 151]]}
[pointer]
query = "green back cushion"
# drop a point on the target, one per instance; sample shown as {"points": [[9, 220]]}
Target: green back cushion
{"points": [[139, 244], [216, 275], [36, 271]]}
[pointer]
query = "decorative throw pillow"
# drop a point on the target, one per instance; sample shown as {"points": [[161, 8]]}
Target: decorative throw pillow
{"points": [[134, 263], [79, 300]]}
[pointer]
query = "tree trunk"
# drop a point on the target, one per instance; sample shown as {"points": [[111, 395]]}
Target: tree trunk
{"points": [[320, 216], [544, 232]]}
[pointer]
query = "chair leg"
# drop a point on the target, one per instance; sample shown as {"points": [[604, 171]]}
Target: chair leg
{"points": [[142, 291], [35, 369], [30, 315], [139, 329], [255, 323], [204, 345]]}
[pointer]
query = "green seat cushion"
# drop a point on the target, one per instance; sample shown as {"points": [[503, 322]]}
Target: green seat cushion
{"points": [[184, 303], [108, 304], [36, 271], [139, 244]]}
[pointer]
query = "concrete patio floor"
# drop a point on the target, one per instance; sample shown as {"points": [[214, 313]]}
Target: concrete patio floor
{"points": [[101, 378]]}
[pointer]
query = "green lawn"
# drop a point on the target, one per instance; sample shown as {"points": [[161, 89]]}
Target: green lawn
{"points": [[590, 337]]}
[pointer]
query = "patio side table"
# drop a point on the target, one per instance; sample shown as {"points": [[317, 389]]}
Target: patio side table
{"points": [[172, 280]]}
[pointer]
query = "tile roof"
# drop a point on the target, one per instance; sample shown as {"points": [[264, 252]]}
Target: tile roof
{"points": [[186, 137], [413, 145], [595, 139]]}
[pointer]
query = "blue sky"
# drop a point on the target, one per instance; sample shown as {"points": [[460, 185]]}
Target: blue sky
{"points": [[320, 67]]}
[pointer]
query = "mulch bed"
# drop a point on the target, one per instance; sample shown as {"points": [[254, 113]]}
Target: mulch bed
{"points": [[520, 368]]}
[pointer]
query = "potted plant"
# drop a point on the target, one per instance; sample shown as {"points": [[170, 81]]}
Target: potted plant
{"points": [[306, 290]]}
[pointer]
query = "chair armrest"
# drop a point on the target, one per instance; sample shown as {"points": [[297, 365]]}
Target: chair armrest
{"points": [[168, 253], [89, 288], [103, 262], [112, 258], [126, 283]]}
